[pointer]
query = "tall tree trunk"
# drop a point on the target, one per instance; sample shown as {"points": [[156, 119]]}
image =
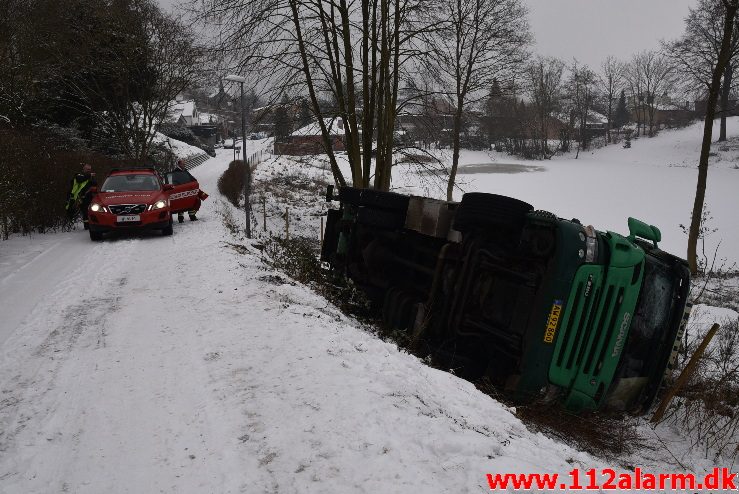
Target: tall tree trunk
{"points": [[610, 117], [700, 191], [457, 127], [728, 74]]}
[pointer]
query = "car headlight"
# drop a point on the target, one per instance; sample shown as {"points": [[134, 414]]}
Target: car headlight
{"points": [[158, 205], [95, 207]]}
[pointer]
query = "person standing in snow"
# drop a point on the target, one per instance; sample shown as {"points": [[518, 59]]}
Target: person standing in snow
{"points": [[79, 194], [180, 167]]}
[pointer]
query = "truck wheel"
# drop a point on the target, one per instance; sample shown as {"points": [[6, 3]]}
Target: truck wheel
{"points": [[96, 236], [350, 195], [543, 216], [540, 213], [389, 306], [167, 231], [390, 220], [479, 210], [403, 312], [389, 201]]}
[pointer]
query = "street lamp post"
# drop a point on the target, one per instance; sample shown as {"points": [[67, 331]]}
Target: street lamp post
{"points": [[247, 170]]}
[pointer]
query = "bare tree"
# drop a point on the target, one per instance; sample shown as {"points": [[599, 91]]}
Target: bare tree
{"points": [[635, 88], [696, 52], [474, 43], [659, 78], [581, 95], [650, 76], [611, 82], [545, 87], [153, 60], [722, 61], [351, 51]]}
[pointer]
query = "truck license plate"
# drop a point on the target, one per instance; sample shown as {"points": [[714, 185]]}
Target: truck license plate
{"points": [[128, 218]]}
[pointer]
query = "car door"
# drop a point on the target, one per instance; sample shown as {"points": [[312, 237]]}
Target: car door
{"points": [[184, 195]]}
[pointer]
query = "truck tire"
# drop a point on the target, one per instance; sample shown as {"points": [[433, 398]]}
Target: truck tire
{"points": [[390, 220], [389, 201], [479, 210], [543, 216], [350, 195], [96, 236]]}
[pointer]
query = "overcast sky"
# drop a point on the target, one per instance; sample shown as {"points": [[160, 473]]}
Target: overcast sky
{"points": [[590, 30]]}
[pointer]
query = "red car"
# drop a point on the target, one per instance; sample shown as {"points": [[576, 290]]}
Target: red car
{"points": [[131, 199]]}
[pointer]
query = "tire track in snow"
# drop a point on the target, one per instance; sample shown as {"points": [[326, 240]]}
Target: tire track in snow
{"points": [[69, 315]]}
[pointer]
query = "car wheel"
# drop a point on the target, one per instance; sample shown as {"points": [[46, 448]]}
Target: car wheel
{"points": [[167, 231], [479, 210], [96, 236]]}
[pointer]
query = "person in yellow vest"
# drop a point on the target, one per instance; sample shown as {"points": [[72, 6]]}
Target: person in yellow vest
{"points": [[79, 194]]}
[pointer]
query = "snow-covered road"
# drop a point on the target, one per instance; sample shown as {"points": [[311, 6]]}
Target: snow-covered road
{"points": [[103, 378]]}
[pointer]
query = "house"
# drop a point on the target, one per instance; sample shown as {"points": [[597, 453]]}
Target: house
{"points": [[203, 125], [308, 140], [185, 113]]}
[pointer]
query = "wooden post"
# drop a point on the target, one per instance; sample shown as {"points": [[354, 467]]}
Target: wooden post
{"points": [[684, 375], [287, 223], [264, 213]]}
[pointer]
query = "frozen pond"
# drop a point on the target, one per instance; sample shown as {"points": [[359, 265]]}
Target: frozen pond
{"points": [[505, 168]]}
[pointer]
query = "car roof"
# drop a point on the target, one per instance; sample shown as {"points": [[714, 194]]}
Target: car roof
{"points": [[137, 170]]}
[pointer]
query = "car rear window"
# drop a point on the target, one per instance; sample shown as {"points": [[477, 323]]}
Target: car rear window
{"points": [[130, 183], [179, 177]]}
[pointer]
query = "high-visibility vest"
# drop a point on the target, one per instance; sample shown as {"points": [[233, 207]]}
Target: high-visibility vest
{"points": [[77, 187]]}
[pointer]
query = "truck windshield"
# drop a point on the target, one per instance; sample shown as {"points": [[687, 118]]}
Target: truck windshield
{"points": [[650, 329], [130, 183]]}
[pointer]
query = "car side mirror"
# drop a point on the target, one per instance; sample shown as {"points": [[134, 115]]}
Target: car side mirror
{"points": [[168, 187], [93, 190]]}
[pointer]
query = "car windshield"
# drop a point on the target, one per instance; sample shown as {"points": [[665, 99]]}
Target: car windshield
{"points": [[130, 183]]}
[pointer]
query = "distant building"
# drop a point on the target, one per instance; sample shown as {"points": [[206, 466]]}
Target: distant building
{"points": [[185, 113], [203, 125], [702, 105], [308, 140]]}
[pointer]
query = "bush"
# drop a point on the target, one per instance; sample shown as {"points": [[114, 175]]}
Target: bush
{"points": [[707, 408], [36, 169], [231, 183], [298, 258], [178, 132]]}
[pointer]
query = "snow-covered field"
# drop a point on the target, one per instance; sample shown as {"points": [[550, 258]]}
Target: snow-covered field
{"points": [[654, 181], [184, 364]]}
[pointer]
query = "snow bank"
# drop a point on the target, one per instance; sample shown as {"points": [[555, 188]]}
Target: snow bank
{"points": [[180, 149]]}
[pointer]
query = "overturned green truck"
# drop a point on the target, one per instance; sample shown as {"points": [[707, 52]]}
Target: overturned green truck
{"points": [[545, 307]]}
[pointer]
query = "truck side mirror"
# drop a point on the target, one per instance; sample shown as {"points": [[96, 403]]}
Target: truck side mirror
{"points": [[168, 187]]}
